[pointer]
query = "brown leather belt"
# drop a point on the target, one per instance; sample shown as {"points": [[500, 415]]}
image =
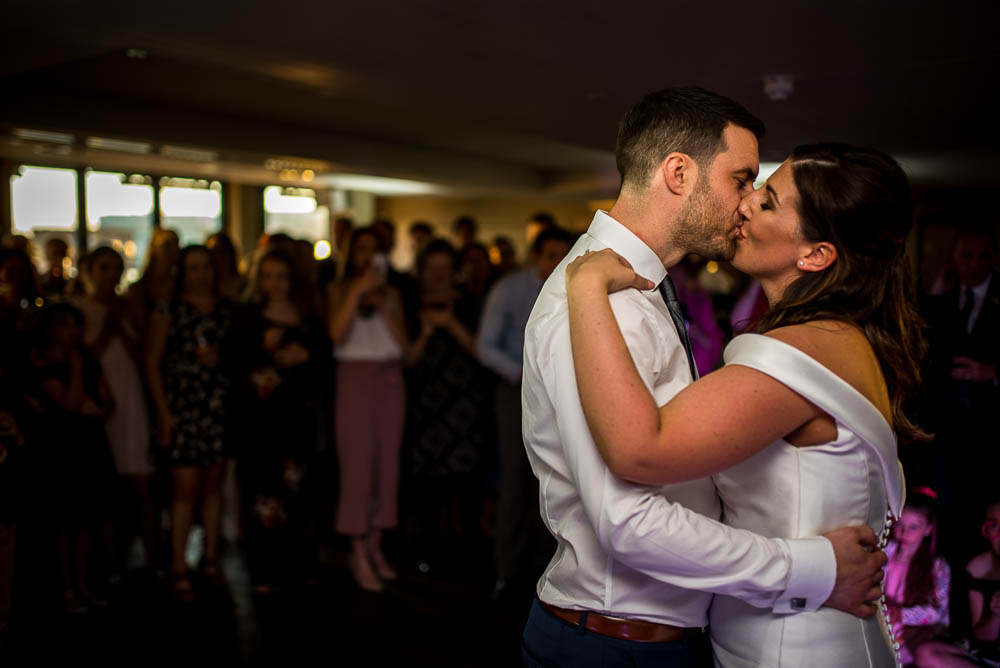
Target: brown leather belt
{"points": [[635, 630]]}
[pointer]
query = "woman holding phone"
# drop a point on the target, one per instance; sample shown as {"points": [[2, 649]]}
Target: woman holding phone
{"points": [[370, 342]]}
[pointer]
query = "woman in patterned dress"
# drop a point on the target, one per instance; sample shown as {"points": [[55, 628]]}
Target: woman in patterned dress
{"points": [[188, 387]]}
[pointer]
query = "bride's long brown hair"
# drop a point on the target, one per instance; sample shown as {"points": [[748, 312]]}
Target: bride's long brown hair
{"points": [[859, 200]]}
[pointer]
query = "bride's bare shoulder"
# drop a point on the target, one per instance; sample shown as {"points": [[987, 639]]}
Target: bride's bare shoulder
{"points": [[820, 338], [843, 349]]}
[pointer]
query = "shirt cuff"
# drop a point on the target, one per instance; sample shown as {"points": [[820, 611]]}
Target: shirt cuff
{"points": [[811, 577]]}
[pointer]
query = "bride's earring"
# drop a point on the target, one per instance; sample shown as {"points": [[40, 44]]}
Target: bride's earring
{"points": [[802, 263]]}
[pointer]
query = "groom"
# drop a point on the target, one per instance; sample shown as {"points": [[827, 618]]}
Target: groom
{"points": [[635, 567]]}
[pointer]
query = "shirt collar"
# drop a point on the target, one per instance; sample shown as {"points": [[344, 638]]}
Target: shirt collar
{"points": [[978, 290], [623, 241]]}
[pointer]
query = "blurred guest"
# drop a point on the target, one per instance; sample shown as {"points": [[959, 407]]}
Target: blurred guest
{"points": [[696, 306], [303, 260], [475, 273], [343, 228], [75, 403], [284, 353], [156, 285], [917, 581], [111, 338], [420, 233], [984, 594], [189, 387], [751, 304], [465, 229], [13, 410], [503, 256], [537, 223], [54, 279], [18, 242], [982, 646], [522, 543], [19, 295], [17, 283], [368, 331], [226, 262], [449, 405], [386, 229], [963, 395]]}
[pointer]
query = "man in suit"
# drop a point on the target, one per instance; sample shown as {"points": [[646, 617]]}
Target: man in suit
{"points": [[964, 338]]}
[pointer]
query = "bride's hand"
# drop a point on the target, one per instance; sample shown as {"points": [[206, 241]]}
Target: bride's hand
{"points": [[607, 269]]}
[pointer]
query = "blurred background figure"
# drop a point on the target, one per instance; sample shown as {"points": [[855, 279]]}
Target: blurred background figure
{"points": [[465, 230], [917, 580], [226, 262], [750, 305], [189, 388], [448, 418], [962, 393], [75, 402], [537, 223], [156, 285], [522, 544], [283, 374], [54, 280], [696, 305], [420, 232], [502, 255], [475, 272], [111, 337], [367, 328]]}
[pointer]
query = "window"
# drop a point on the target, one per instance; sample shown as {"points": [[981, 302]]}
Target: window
{"points": [[293, 211], [191, 207], [43, 207], [120, 215]]}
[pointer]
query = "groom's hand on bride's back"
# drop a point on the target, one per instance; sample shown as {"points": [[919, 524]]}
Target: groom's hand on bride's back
{"points": [[859, 571]]}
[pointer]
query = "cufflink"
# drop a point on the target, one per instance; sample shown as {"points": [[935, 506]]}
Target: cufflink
{"points": [[798, 604]]}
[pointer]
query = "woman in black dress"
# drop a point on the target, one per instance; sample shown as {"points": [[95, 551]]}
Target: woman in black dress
{"points": [[189, 389], [75, 402], [448, 409], [283, 385]]}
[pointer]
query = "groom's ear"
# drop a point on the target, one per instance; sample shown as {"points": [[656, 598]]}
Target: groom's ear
{"points": [[679, 173], [819, 257]]}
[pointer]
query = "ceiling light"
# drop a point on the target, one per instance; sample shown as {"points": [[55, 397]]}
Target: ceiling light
{"points": [[186, 153], [778, 86], [43, 135], [379, 185], [119, 145]]}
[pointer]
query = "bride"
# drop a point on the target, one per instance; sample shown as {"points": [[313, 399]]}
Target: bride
{"points": [[799, 427]]}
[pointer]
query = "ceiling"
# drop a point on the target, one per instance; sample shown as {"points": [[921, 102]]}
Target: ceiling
{"points": [[493, 97]]}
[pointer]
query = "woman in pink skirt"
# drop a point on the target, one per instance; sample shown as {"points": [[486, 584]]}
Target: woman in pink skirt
{"points": [[367, 328]]}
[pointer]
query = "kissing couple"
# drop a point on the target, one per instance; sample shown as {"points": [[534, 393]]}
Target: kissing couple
{"points": [[753, 501]]}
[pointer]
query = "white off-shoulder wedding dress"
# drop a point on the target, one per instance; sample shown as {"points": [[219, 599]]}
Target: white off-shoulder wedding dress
{"points": [[793, 492]]}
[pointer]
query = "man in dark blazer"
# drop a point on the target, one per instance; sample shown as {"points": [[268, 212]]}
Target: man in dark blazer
{"points": [[964, 397]]}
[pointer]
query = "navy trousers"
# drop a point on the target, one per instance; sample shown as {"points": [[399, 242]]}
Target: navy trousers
{"points": [[550, 642]]}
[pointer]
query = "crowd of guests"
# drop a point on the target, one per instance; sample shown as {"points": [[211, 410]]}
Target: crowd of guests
{"points": [[128, 411], [123, 409]]}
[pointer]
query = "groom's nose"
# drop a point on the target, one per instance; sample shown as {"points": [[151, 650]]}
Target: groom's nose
{"points": [[744, 207]]}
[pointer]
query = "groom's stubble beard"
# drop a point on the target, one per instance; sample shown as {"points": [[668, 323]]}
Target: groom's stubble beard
{"points": [[703, 227]]}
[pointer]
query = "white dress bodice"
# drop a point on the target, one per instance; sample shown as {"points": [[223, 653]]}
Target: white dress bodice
{"points": [[793, 492]]}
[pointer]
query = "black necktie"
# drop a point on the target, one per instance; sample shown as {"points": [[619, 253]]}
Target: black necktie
{"points": [[670, 297], [966, 312]]}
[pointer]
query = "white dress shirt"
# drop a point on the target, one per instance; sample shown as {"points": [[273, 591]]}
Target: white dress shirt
{"points": [[630, 550]]}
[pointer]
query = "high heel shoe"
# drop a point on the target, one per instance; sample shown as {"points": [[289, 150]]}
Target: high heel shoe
{"points": [[361, 570], [382, 567]]}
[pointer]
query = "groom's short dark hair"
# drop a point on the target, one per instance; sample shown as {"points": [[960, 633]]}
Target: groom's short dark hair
{"points": [[687, 119]]}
